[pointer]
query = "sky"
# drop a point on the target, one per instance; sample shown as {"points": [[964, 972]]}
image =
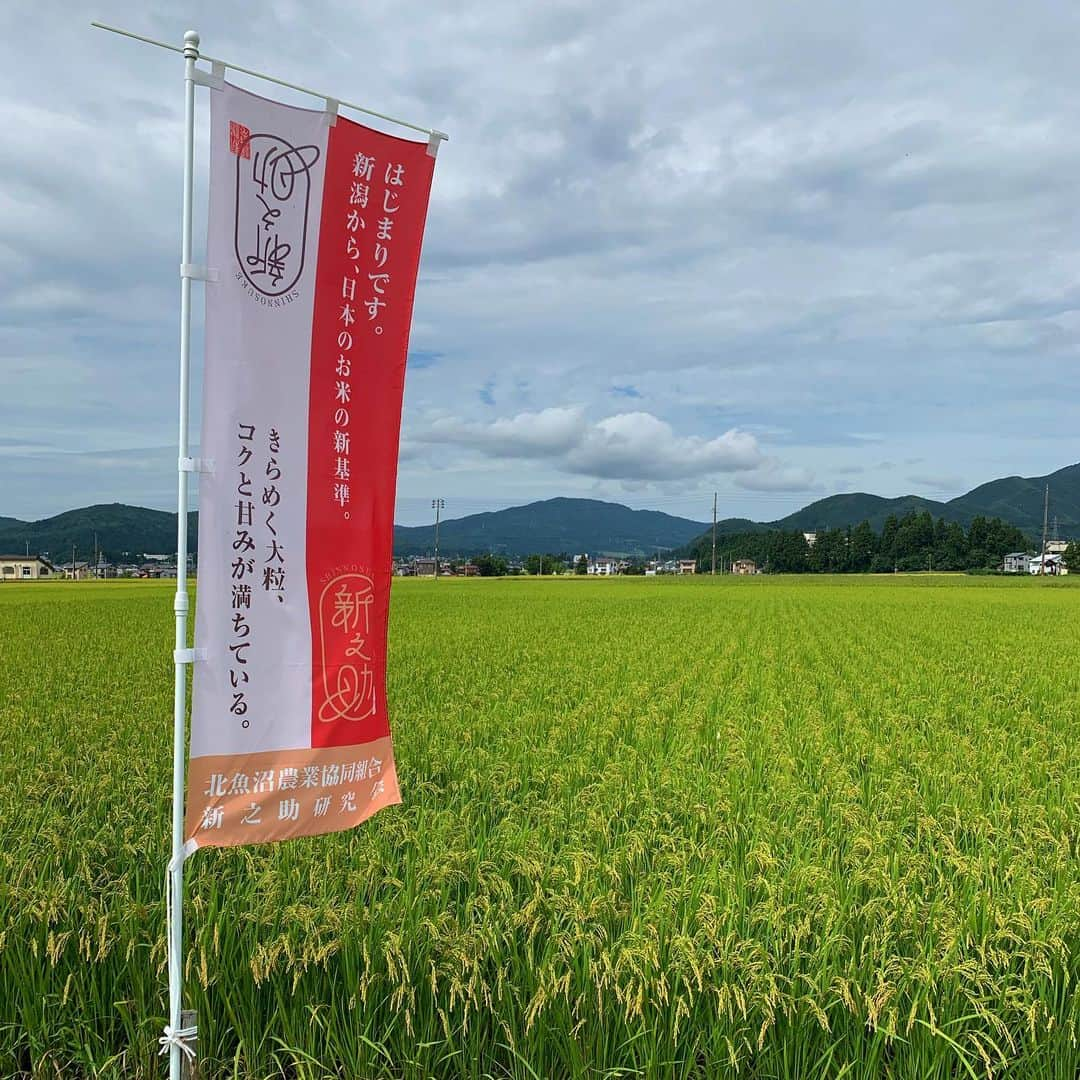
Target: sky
{"points": [[771, 250]]}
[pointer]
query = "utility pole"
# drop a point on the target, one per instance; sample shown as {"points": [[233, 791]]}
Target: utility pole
{"points": [[1046, 512], [714, 534], [437, 505]]}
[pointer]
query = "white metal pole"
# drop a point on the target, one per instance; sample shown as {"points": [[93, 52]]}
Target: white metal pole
{"points": [[435, 134], [180, 605]]}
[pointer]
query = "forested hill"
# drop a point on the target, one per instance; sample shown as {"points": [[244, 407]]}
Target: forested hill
{"points": [[1015, 499], [120, 532], [840, 511], [1019, 500], [569, 525], [578, 525]]}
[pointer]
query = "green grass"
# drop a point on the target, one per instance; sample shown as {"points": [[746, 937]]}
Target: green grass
{"points": [[765, 827]]}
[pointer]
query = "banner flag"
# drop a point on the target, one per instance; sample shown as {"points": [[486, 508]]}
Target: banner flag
{"points": [[315, 228]]}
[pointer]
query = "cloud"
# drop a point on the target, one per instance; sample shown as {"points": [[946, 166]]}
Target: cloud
{"points": [[631, 447], [857, 225], [544, 434], [638, 446], [937, 483], [774, 475]]}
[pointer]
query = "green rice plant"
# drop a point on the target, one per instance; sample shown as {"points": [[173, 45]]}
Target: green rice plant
{"points": [[688, 828]]}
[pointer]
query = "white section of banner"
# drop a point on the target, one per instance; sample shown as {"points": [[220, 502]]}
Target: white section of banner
{"points": [[252, 693]]}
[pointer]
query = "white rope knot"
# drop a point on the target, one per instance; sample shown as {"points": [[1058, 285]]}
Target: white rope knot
{"points": [[181, 1037]]}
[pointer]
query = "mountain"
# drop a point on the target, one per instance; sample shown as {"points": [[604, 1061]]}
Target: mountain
{"points": [[554, 525], [573, 525], [120, 529], [838, 511], [1017, 500]]}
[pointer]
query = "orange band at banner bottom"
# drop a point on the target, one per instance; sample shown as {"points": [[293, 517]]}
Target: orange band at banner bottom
{"points": [[281, 794]]}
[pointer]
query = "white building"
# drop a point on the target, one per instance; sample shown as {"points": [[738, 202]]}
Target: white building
{"points": [[1053, 565], [25, 568], [1016, 562], [603, 567]]}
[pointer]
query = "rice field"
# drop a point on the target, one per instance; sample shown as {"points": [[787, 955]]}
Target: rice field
{"points": [[765, 827]]}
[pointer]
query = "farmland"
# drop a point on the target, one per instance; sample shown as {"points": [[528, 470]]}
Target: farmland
{"points": [[766, 827]]}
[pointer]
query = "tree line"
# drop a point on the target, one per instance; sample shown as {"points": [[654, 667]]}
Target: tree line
{"points": [[916, 541]]}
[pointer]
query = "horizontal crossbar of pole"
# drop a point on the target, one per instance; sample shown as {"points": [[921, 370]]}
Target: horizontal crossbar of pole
{"points": [[273, 79]]}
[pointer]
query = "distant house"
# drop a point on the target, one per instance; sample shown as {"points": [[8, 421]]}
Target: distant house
{"points": [[78, 571], [1047, 564], [470, 570], [744, 566], [25, 568], [603, 566], [810, 538], [1016, 562], [424, 567], [688, 566], [1056, 547]]}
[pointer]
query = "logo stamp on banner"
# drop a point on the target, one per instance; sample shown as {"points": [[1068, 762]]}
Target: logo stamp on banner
{"points": [[273, 196], [317, 230]]}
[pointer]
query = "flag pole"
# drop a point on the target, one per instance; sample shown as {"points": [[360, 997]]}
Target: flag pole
{"points": [[176, 1035]]}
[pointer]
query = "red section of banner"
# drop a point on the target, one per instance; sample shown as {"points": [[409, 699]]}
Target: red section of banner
{"points": [[374, 204]]}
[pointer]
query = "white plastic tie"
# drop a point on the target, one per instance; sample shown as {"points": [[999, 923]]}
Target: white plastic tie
{"points": [[331, 114], [214, 79], [196, 464], [433, 143], [199, 273], [182, 1037], [188, 656]]}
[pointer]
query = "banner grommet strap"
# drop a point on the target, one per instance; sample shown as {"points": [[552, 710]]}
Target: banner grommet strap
{"points": [[198, 273], [196, 465], [331, 114], [213, 80], [433, 142], [188, 656]]}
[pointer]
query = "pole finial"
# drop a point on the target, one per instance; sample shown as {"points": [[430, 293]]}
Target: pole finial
{"points": [[191, 44]]}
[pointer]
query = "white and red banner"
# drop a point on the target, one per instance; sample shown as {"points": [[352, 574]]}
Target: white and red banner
{"points": [[315, 231]]}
